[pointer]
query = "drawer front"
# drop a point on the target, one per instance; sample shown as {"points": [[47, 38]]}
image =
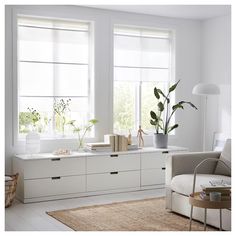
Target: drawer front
{"points": [[54, 167], [54, 186], [103, 164], [152, 177], [109, 181], [152, 160]]}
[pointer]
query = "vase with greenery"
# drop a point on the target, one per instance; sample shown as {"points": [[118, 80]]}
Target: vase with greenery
{"points": [[162, 117], [60, 108], [32, 139], [33, 117], [82, 130]]}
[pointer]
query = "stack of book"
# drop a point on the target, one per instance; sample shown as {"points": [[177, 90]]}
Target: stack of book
{"points": [[224, 189], [98, 147], [119, 142]]}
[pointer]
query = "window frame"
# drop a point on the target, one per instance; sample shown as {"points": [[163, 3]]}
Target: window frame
{"points": [[171, 80], [17, 137]]}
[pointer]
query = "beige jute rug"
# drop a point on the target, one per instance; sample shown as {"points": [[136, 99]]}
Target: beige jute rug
{"points": [[140, 215]]}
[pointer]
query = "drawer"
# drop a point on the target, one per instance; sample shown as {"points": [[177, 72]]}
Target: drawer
{"points": [[109, 181], [152, 177], [109, 163], [54, 167], [54, 186], [152, 160]]}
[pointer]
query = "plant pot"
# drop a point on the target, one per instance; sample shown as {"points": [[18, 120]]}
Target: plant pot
{"points": [[160, 140]]}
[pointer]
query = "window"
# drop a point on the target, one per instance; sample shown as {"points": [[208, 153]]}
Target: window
{"points": [[142, 60], [54, 62]]}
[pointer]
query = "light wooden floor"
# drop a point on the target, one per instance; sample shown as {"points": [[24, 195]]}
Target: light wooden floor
{"points": [[32, 216]]}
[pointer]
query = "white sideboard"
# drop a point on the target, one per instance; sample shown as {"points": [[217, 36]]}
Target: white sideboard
{"points": [[45, 176]]}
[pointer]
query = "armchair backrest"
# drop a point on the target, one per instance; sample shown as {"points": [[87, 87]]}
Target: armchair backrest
{"points": [[226, 157]]}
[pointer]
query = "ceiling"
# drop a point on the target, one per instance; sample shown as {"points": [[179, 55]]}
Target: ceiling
{"points": [[196, 12]]}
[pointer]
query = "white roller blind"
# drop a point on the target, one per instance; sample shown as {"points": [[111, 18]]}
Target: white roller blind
{"points": [[141, 54]]}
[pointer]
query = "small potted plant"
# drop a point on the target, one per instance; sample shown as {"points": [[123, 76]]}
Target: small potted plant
{"points": [[61, 108], [161, 119], [82, 130], [33, 138]]}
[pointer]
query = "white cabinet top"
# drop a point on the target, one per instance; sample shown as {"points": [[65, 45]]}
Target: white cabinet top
{"points": [[85, 154]]}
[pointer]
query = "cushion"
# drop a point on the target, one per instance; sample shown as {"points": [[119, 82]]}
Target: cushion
{"points": [[226, 157], [183, 184]]}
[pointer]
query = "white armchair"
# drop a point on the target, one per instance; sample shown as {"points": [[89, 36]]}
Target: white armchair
{"points": [[179, 182]]}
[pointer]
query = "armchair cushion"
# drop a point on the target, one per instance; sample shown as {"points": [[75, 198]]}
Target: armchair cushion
{"points": [[226, 157], [183, 184]]}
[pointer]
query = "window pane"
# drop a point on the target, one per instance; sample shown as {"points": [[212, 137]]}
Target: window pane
{"points": [[71, 80], [124, 107], [127, 74], [155, 52], [35, 79], [149, 102], [42, 105], [127, 51], [39, 44]]}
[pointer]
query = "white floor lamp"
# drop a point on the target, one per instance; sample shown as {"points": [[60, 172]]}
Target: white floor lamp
{"points": [[205, 90]]}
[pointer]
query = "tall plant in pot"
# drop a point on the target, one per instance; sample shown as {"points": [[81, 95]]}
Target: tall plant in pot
{"points": [[162, 117]]}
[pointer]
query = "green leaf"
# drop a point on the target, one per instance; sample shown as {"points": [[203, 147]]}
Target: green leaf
{"points": [[153, 115], [156, 93], [160, 106], [153, 122], [189, 103], [176, 106], [159, 91], [172, 127], [93, 121], [173, 87]]}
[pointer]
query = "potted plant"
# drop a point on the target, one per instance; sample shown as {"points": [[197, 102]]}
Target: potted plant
{"points": [[61, 108], [161, 119], [82, 130], [33, 138]]}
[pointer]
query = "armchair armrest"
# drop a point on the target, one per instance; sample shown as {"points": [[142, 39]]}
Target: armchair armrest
{"points": [[185, 163]]}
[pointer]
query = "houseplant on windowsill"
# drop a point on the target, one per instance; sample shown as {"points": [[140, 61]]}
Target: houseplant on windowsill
{"points": [[82, 131], [61, 108], [161, 119], [32, 139]]}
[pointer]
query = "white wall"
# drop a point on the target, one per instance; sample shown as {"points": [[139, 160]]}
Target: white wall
{"points": [[216, 68], [188, 67]]}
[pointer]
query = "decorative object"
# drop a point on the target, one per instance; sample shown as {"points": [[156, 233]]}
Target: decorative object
{"points": [[82, 130], [129, 138], [10, 188], [32, 142], [137, 215], [161, 119], [62, 151], [32, 139], [205, 90], [60, 109], [140, 136]]}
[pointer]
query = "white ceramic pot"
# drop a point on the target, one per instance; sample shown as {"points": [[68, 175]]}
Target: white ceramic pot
{"points": [[160, 140]]}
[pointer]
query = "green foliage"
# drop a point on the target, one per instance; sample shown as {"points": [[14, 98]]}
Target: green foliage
{"points": [[162, 106], [60, 108], [82, 130]]}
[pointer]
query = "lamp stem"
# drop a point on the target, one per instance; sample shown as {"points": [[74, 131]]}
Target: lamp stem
{"points": [[204, 124]]}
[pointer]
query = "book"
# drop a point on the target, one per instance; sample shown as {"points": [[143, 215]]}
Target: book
{"points": [[110, 138], [98, 149], [122, 143], [99, 144], [206, 197]]}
